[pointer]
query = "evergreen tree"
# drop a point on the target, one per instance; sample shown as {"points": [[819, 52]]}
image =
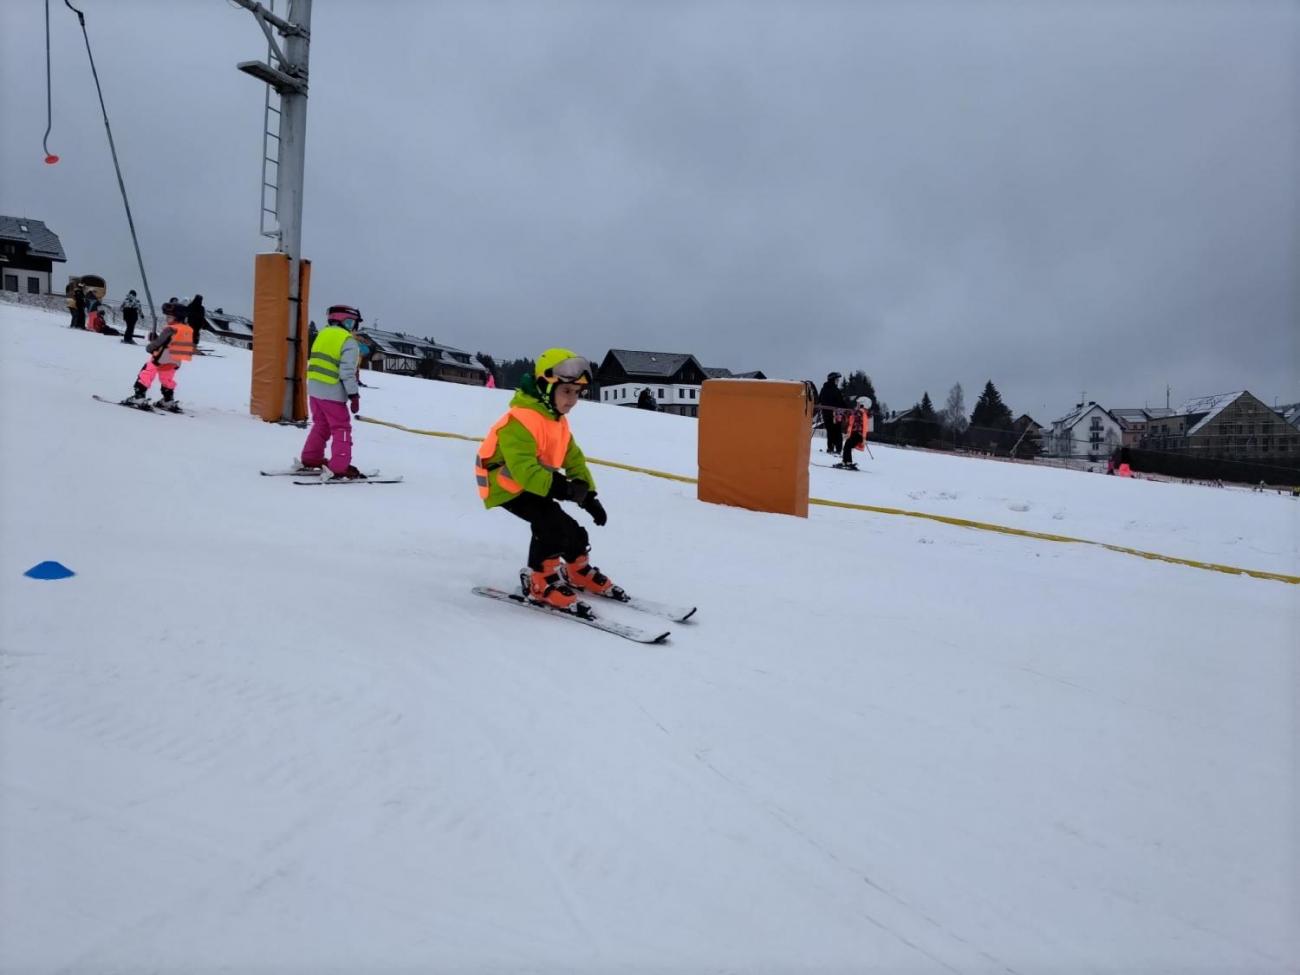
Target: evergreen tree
{"points": [[859, 384], [925, 408], [490, 364], [512, 370], [990, 412]]}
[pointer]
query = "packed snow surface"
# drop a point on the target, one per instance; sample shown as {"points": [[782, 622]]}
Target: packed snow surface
{"points": [[268, 727]]}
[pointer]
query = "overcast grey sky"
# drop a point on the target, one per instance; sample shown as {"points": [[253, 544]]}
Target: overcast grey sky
{"points": [[1059, 196]]}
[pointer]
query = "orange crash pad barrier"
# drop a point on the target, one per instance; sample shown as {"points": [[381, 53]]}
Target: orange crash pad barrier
{"points": [[755, 436], [271, 338]]}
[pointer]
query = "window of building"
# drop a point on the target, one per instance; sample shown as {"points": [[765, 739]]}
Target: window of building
{"points": [[661, 392], [11, 282], [693, 394], [33, 286], [681, 394]]}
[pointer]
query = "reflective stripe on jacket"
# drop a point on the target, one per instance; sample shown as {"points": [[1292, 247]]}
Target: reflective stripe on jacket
{"points": [[523, 450], [332, 365], [174, 346]]}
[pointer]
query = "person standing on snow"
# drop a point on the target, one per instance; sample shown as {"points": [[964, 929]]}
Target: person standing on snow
{"points": [[78, 308], [130, 315], [332, 388], [856, 427], [529, 462], [832, 403], [197, 317], [173, 347]]}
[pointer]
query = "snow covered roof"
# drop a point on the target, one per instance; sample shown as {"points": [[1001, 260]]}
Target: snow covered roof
{"points": [[1291, 413], [1211, 406], [1079, 412], [234, 324], [41, 241]]}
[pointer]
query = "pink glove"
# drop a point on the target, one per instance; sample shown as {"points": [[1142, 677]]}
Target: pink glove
{"points": [[355, 401]]}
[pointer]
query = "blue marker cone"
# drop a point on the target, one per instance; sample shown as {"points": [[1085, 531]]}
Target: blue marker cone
{"points": [[49, 570]]}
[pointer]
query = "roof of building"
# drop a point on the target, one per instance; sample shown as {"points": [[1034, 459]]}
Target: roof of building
{"points": [[387, 342], [718, 372], [227, 322], [1291, 413], [41, 241], [1210, 406], [1079, 412], [662, 364]]}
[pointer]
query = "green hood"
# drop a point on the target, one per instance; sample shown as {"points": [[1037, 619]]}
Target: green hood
{"points": [[529, 396]]}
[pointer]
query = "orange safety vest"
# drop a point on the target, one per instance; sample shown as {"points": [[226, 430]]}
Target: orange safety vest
{"points": [[859, 422], [181, 347], [552, 438]]}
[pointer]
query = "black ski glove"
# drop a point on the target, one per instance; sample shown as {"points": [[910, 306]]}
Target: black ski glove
{"points": [[567, 489], [595, 509]]}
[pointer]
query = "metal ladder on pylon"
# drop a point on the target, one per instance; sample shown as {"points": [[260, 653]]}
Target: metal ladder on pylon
{"points": [[268, 224]]}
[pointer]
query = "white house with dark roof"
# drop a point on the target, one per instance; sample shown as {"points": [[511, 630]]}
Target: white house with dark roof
{"points": [[28, 250], [673, 379], [1088, 432]]}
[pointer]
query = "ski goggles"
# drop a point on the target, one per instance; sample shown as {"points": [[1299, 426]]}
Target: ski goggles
{"points": [[574, 369], [343, 315]]}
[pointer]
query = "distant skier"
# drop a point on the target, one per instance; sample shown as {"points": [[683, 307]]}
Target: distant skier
{"points": [[130, 315], [856, 427], [529, 461], [197, 318], [831, 403], [332, 388], [173, 347], [78, 308]]}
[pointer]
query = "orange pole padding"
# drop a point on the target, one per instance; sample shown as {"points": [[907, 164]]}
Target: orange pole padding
{"points": [[755, 436], [271, 339], [304, 344]]}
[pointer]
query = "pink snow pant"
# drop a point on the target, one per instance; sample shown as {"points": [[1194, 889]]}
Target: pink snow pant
{"points": [[329, 418], [166, 374]]}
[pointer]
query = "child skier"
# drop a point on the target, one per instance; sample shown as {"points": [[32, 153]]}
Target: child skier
{"points": [[173, 347], [856, 426], [332, 388], [528, 462]]}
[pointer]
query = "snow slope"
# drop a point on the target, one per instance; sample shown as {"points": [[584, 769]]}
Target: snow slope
{"points": [[268, 727]]}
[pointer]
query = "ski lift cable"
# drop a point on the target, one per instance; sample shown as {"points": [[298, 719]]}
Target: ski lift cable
{"points": [[112, 148]]}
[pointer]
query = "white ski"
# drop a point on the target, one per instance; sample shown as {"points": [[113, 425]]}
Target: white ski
{"points": [[377, 478], [581, 613]]}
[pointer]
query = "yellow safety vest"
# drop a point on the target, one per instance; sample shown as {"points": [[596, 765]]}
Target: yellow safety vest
{"points": [[326, 352]]}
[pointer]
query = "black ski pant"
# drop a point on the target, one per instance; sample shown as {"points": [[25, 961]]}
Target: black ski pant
{"points": [[130, 316], [849, 447], [78, 318], [555, 533], [834, 434]]}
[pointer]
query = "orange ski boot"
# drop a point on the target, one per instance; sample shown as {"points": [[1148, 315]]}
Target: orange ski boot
{"points": [[585, 577], [548, 588]]}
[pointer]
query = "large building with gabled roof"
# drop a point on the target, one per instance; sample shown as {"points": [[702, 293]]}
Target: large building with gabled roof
{"points": [[28, 251], [1237, 426], [672, 378]]}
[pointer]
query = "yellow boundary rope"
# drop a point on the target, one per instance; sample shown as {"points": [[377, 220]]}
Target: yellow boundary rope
{"points": [[945, 519]]}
